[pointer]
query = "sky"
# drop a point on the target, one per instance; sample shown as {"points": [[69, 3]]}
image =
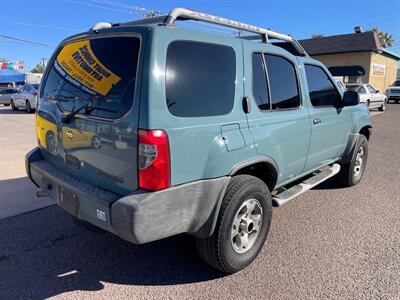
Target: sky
{"points": [[48, 22]]}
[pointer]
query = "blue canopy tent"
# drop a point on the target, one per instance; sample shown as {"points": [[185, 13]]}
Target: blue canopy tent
{"points": [[7, 76]]}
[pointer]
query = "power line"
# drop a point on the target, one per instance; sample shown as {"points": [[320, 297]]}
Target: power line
{"points": [[24, 41]]}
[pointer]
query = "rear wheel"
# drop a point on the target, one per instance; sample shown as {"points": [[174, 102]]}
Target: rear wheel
{"points": [[13, 107], [6, 104], [383, 106], [242, 226], [351, 173], [367, 104]]}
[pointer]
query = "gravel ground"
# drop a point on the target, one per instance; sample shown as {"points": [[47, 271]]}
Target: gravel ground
{"points": [[329, 243]]}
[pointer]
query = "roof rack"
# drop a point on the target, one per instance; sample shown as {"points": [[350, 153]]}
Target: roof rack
{"points": [[183, 14]]}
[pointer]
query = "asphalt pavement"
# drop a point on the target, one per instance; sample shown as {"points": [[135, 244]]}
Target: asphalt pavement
{"points": [[329, 243]]}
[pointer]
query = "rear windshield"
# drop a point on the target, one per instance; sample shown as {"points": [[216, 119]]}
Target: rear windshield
{"points": [[352, 87], [36, 86], [100, 72]]}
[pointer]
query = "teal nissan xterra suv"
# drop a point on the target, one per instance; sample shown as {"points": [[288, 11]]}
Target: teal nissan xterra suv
{"points": [[148, 130]]}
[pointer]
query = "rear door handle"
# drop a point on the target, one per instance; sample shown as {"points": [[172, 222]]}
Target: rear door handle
{"points": [[317, 121]]}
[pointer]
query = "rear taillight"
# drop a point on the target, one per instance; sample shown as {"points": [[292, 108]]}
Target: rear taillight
{"points": [[153, 160], [35, 93]]}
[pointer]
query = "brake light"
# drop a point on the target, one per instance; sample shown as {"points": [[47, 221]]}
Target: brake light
{"points": [[153, 160], [35, 93]]}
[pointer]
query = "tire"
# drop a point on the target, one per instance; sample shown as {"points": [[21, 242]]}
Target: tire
{"points": [[13, 107], [383, 106], [367, 104], [224, 250], [348, 176], [29, 109], [7, 104]]}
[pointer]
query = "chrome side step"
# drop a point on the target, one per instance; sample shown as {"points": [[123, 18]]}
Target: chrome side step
{"points": [[320, 176]]}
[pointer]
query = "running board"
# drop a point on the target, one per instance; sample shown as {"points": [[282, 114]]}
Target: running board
{"points": [[318, 177]]}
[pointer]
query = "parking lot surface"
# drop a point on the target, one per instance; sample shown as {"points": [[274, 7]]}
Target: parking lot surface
{"points": [[337, 243]]}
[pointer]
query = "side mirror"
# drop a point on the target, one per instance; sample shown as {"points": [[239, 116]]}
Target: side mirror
{"points": [[350, 98], [377, 91]]}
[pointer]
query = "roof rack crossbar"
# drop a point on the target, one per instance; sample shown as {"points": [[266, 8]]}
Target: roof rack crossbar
{"points": [[178, 14]]}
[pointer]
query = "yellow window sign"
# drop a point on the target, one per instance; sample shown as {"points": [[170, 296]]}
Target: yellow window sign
{"points": [[78, 64]]}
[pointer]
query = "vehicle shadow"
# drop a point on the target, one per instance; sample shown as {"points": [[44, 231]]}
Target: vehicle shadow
{"points": [[44, 253], [6, 110]]}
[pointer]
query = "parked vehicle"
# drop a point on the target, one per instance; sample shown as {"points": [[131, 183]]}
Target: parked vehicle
{"points": [[369, 96], [6, 94], [197, 148], [393, 92], [26, 98]]}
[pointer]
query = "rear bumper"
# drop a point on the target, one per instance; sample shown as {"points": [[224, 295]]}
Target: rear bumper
{"points": [[140, 217], [4, 101]]}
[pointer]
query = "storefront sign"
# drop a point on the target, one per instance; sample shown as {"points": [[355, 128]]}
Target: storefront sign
{"points": [[378, 70], [79, 65]]}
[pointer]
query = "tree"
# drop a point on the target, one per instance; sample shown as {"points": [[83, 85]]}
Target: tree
{"points": [[38, 69], [385, 38], [317, 36], [148, 13]]}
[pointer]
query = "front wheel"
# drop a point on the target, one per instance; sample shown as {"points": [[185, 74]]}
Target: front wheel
{"points": [[242, 226], [13, 107], [28, 107], [351, 173], [383, 106]]}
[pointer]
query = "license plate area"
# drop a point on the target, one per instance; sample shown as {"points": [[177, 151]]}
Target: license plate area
{"points": [[69, 201]]}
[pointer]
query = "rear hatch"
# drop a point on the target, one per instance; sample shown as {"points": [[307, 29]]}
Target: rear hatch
{"points": [[98, 77]]}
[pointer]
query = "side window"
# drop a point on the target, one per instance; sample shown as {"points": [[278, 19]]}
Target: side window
{"points": [[260, 87], [371, 89], [200, 79], [321, 89], [282, 82], [362, 90]]}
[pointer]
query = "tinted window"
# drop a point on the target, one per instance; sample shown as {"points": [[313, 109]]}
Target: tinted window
{"points": [[352, 87], [322, 90], [362, 90], [371, 89], [101, 71], [36, 86], [396, 83], [282, 82], [200, 79], [260, 88]]}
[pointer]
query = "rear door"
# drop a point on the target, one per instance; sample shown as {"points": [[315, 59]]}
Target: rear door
{"points": [[99, 146], [278, 121]]}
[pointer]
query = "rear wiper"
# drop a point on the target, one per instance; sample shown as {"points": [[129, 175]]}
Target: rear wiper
{"points": [[88, 110]]}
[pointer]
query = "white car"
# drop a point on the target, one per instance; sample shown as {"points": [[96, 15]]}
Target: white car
{"points": [[368, 95], [6, 94], [393, 92], [26, 98]]}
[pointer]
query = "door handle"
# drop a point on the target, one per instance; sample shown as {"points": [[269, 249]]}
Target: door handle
{"points": [[317, 121]]}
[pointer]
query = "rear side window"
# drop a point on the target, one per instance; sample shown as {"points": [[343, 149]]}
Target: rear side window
{"points": [[321, 89], [200, 79], [282, 82], [100, 71], [260, 87], [362, 90]]}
